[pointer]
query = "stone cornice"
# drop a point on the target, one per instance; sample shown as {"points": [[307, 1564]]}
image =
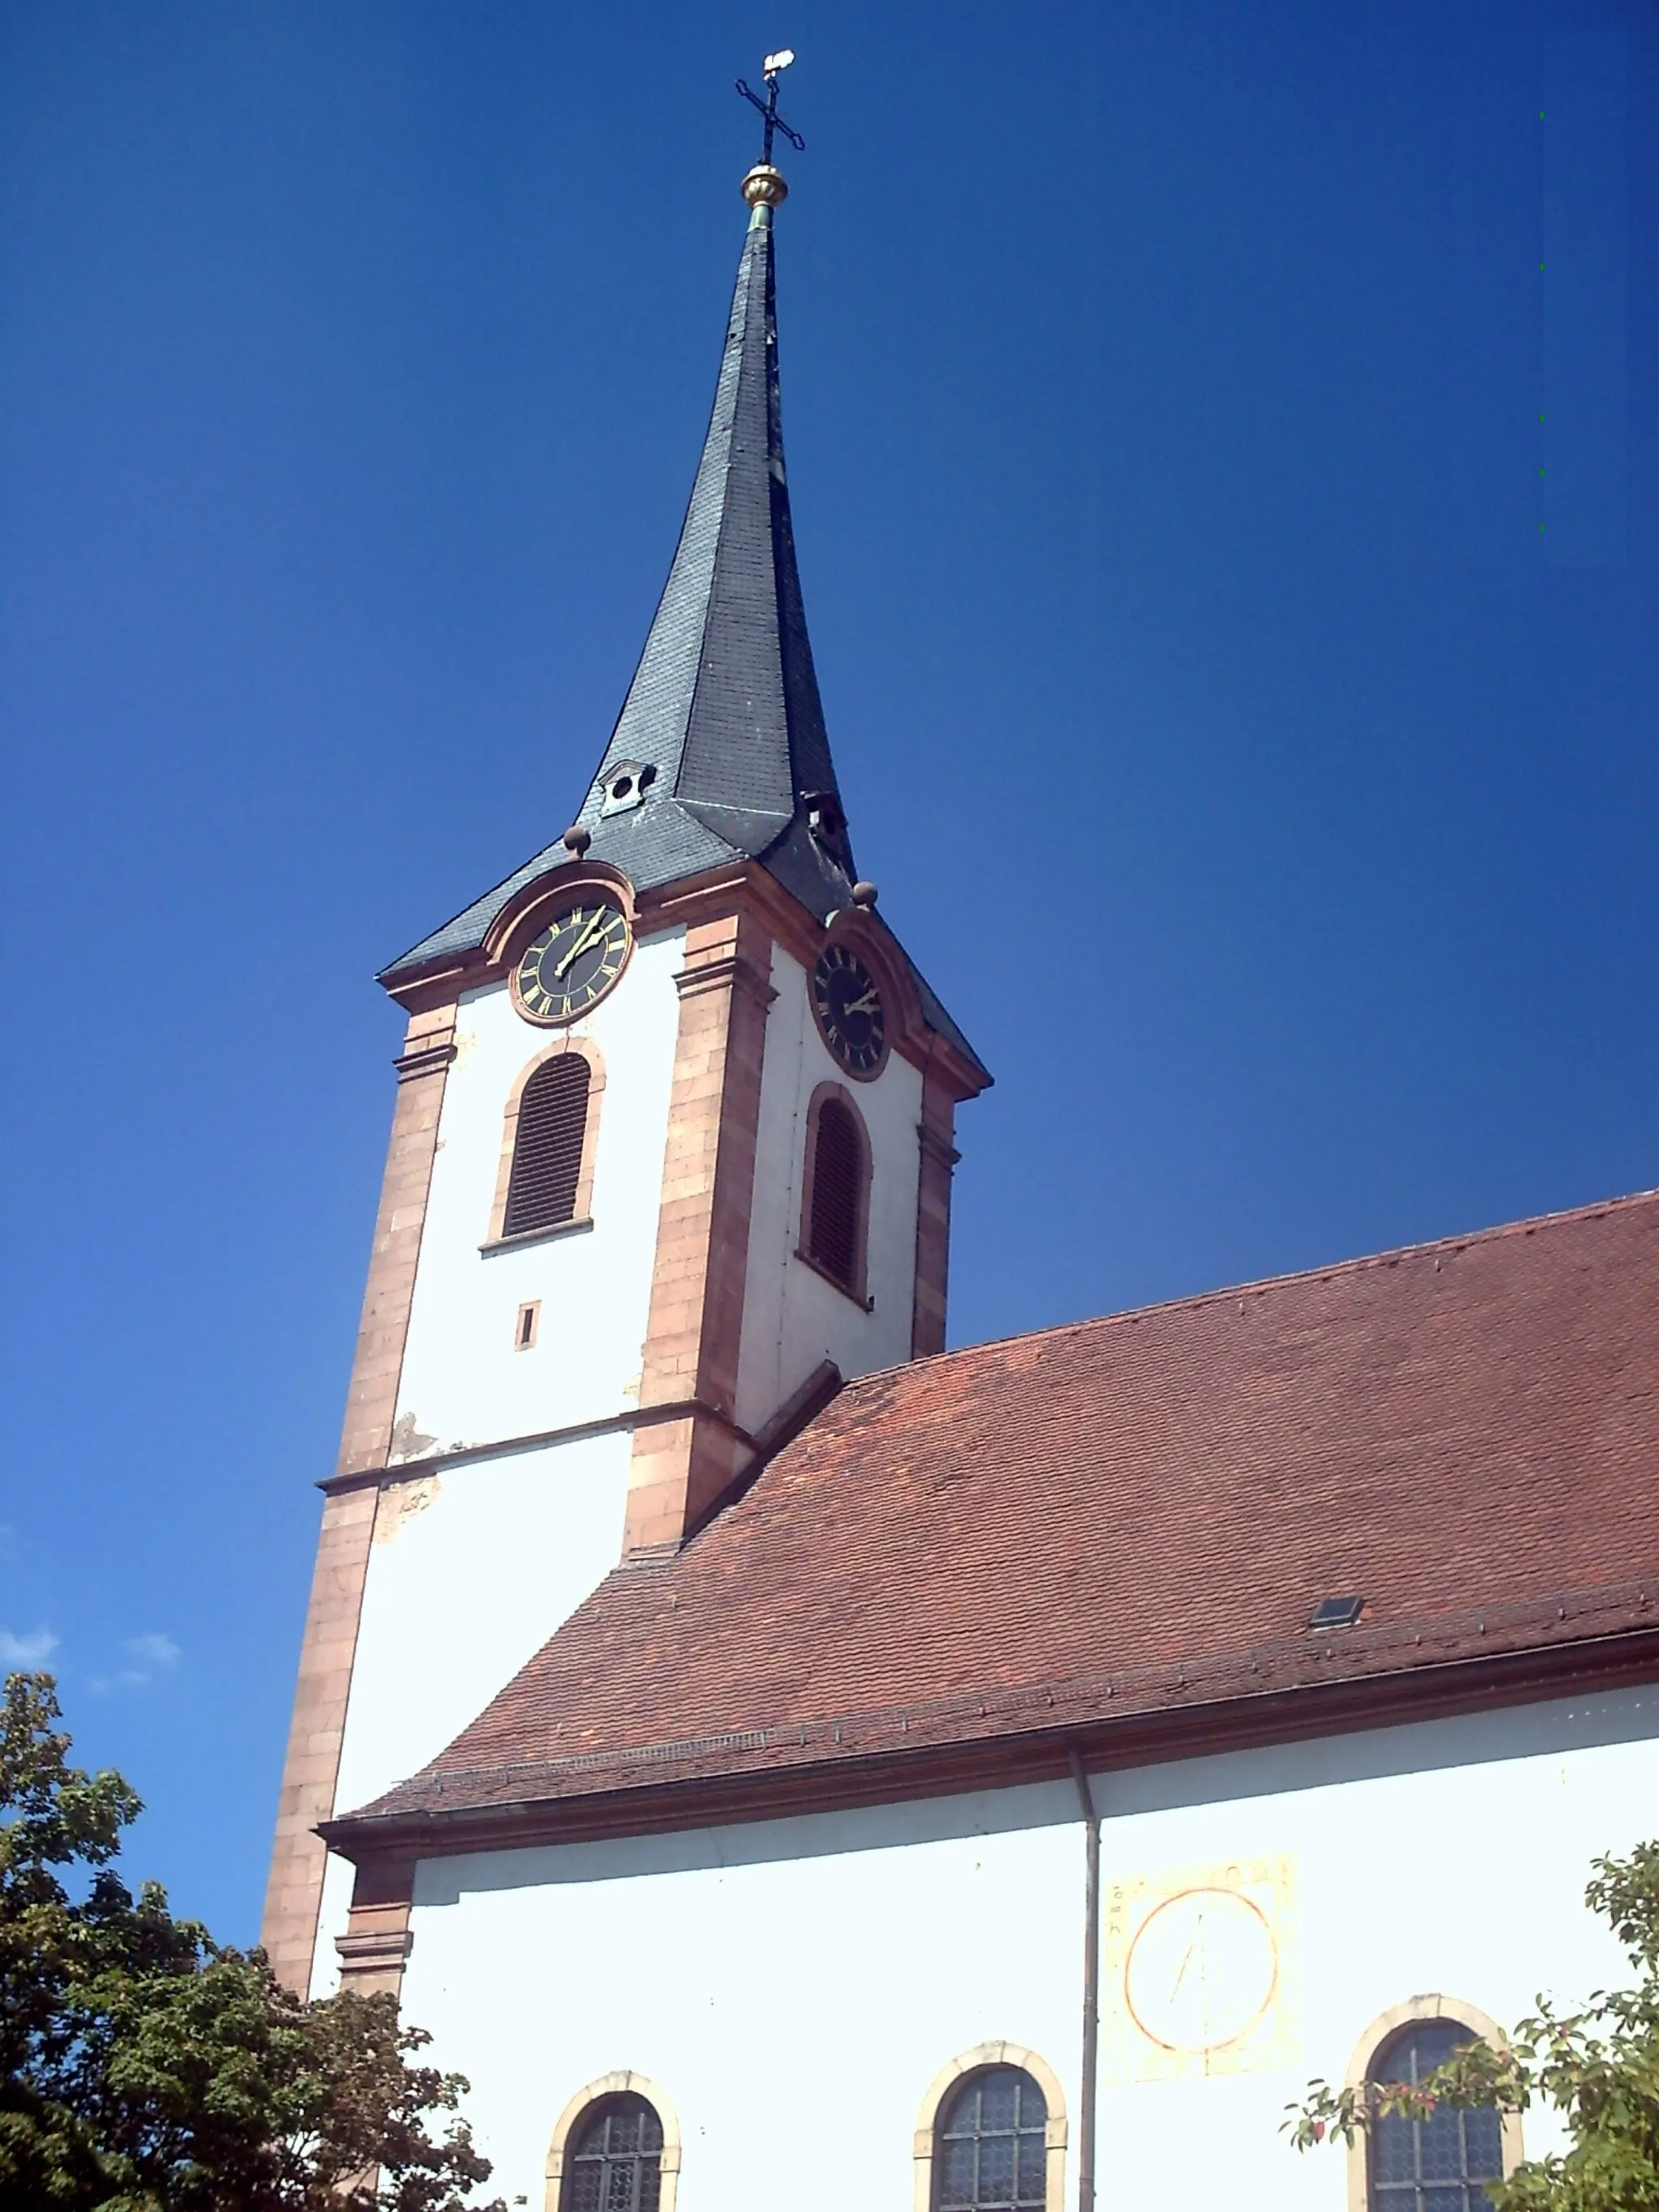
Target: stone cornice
{"points": [[746, 886], [605, 1424]]}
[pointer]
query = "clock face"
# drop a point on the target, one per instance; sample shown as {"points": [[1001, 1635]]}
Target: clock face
{"points": [[573, 963], [849, 1011], [1201, 1971]]}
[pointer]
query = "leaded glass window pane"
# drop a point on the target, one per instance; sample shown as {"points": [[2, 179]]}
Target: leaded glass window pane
{"points": [[1484, 2132], [956, 2164], [989, 2145], [613, 2162], [1438, 2164], [998, 2093]]}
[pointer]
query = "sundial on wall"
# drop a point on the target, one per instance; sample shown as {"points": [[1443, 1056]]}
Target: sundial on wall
{"points": [[1200, 1970]]}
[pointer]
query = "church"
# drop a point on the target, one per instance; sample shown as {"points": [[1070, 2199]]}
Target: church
{"points": [[783, 1760]]}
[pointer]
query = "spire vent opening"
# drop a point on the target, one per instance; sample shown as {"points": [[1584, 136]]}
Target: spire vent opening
{"points": [[626, 783]]}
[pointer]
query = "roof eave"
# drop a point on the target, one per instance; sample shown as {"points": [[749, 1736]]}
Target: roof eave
{"points": [[1433, 1690]]}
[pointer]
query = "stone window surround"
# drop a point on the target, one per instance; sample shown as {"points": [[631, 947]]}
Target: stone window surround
{"points": [[859, 1289], [582, 1213], [613, 2085], [1431, 2005], [982, 2057]]}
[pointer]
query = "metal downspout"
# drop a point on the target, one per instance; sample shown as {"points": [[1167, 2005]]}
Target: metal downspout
{"points": [[1092, 1989], [1086, 2116]]}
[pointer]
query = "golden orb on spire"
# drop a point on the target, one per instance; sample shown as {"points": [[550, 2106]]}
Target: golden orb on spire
{"points": [[764, 187]]}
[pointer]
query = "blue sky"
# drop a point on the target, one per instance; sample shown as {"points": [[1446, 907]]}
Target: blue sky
{"points": [[1223, 443]]}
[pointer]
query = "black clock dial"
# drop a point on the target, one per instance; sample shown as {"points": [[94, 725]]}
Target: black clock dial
{"points": [[573, 963], [849, 1011]]}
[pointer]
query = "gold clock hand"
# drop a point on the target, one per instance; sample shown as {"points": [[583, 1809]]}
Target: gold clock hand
{"points": [[582, 942], [866, 1004]]}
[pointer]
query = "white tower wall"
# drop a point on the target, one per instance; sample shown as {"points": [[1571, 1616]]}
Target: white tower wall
{"points": [[475, 1564], [507, 1520], [792, 1318], [463, 1382]]}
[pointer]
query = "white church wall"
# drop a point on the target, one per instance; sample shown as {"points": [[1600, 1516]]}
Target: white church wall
{"points": [[1446, 1859], [784, 2000], [469, 1572], [464, 1381], [795, 1985], [793, 1319]]}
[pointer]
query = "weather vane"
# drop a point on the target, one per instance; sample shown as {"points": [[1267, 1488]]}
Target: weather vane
{"points": [[771, 68]]}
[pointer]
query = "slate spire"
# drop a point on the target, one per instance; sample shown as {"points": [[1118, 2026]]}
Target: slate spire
{"points": [[719, 753], [720, 750]]}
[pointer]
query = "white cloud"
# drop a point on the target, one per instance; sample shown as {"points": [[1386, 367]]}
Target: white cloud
{"points": [[25, 1651], [150, 1655]]}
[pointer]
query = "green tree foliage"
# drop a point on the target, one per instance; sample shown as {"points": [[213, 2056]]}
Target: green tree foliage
{"points": [[144, 2068], [1598, 2067]]}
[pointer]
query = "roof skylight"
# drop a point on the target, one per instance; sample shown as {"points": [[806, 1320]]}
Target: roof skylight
{"points": [[1337, 1612]]}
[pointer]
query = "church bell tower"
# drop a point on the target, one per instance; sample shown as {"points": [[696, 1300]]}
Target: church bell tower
{"points": [[670, 1158]]}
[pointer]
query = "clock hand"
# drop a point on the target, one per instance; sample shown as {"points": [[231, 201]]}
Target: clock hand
{"points": [[866, 1004], [582, 942]]}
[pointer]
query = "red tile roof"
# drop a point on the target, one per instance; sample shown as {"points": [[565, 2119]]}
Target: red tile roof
{"points": [[1130, 1514]]}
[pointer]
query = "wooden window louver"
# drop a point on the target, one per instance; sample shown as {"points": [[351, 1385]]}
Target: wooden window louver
{"points": [[837, 1193], [547, 1148]]}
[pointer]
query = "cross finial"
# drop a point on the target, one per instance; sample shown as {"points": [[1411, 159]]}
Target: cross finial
{"points": [[771, 68]]}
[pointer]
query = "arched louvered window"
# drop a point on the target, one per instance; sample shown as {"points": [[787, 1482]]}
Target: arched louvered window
{"points": [[837, 1190], [990, 2144], [547, 1146], [1441, 2163], [613, 2162]]}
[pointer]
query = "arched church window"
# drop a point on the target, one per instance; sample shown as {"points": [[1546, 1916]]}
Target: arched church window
{"points": [[1441, 2163], [547, 1146], [837, 1193], [613, 2160], [990, 2144]]}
